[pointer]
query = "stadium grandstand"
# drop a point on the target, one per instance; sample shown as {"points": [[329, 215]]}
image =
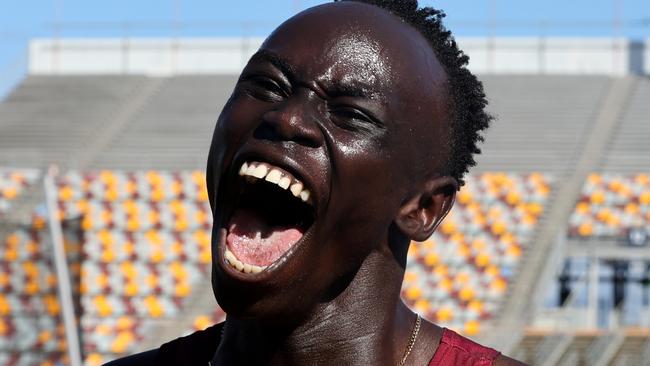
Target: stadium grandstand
{"points": [[546, 254]]}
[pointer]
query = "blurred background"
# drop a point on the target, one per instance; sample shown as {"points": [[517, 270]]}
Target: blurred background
{"points": [[545, 256]]}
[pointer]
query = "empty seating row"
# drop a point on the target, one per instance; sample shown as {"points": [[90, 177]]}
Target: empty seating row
{"points": [[31, 333], [138, 279], [12, 183], [154, 186], [151, 246], [611, 204]]}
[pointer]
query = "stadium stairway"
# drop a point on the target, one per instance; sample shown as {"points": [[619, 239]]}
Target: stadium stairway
{"points": [[525, 295], [50, 119], [104, 135], [630, 149]]}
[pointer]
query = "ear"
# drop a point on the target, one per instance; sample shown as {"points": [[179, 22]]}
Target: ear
{"points": [[421, 214]]}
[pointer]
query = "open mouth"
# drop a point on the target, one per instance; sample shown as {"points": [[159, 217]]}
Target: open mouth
{"points": [[273, 211]]}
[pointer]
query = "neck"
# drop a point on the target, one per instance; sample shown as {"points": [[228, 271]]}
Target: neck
{"points": [[366, 324]]}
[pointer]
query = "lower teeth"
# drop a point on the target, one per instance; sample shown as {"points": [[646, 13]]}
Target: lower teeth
{"points": [[241, 266]]}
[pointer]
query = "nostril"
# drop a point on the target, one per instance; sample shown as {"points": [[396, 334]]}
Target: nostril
{"points": [[265, 132]]}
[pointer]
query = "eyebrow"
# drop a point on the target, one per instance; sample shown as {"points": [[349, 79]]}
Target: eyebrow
{"points": [[275, 60], [355, 89]]}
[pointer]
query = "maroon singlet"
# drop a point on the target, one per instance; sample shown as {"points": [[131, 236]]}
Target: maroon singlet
{"points": [[458, 350], [199, 347]]}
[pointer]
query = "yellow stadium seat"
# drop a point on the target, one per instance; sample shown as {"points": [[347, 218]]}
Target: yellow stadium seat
{"points": [[102, 305], [644, 198], [111, 195], [32, 287], [466, 293], [444, 314], [201, 322], [94, 359], [157, 194], [446, 283], [513, 198], [422, 306], [413, 293], [44, 336], [472, 327], [66, 193], [604, 214], [153, 307], [594, 179], [513, 251], [4, 279], [108, 255], [464, 197], [131, 187], [410, 276], [597, 197], [642, 179], [131, 288], [121, 342], [124, 323], [498, 285], [152, 281], [631, 208], [205, 256], [52, 305], [492, 271], [499, 228], [157, 255], [177, 248], [10, 193], [475, 305], [482, 260], [182, 290], [414, 250], [431, 259], [203, 195], [448, 227], [585, 229], [5, 307], [106, 217], [87, 223], [133, 223], [457, 237]]}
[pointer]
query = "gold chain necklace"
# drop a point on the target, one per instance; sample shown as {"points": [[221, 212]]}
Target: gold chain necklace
{"points": [[409, 347], [414, 336]]}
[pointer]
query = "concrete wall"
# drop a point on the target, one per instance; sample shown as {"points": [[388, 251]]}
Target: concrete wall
{"points": [[531, 55]]}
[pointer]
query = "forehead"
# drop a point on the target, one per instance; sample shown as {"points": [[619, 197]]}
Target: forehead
{"points": [[362, 46]]}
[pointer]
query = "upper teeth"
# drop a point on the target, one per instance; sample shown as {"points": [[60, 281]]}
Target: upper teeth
{"points": [[277, 176]]}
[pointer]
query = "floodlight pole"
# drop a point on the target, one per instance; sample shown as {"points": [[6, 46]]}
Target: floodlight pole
{"points": [[61, 266]]}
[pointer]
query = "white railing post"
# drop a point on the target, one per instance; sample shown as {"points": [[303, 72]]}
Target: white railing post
{"points": [[61, 266]]}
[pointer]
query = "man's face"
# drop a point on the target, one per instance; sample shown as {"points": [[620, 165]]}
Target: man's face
{"points": [[346, 102]]}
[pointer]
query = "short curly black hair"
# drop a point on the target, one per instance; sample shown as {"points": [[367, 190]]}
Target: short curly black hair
{"points": [[468, 99]]}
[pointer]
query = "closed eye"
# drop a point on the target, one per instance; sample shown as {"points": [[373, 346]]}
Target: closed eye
{"points": [[352, 118], [264, 88]]}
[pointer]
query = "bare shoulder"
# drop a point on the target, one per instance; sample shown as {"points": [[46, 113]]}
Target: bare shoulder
{"points": [[507, 361]]}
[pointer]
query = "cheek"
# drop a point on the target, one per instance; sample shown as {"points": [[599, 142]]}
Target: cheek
{"points": [[237, 120], [364, 186]]}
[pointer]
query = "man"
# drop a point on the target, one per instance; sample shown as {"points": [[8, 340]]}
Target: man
{"points": [[346, 137]]}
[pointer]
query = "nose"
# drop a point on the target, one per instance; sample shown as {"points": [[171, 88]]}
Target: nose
{"points": [[295, 119]]}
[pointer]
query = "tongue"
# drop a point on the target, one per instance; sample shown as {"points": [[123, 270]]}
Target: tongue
{"points": [[253, 241]]}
